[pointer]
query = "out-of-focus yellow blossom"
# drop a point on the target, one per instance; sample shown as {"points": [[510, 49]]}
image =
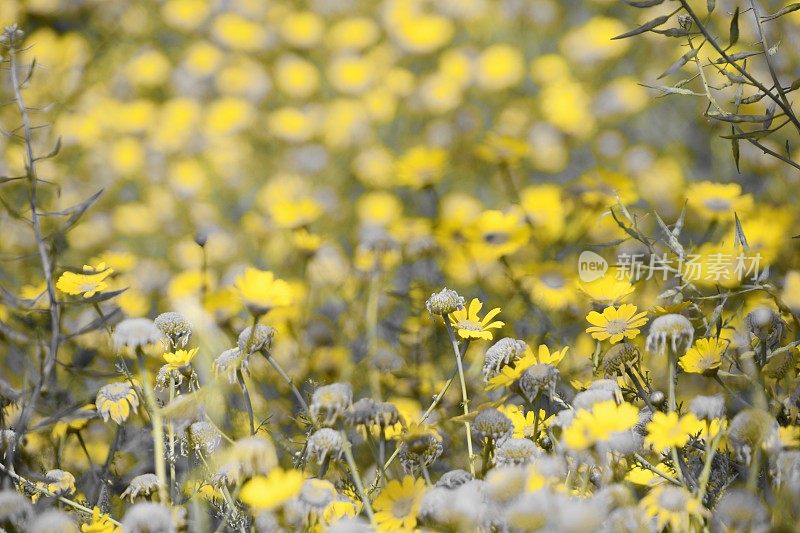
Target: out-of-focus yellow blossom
{"points": [[302, 29], [607, 290], [353, 33], [495, 234], [185, 14], [499, 67], [237, 32], [273, 490], [261, 291], [666, 430], [714, 201], [605, 418], [148, 68], [379, 208], [296, 77], [705, 357], [100, 523], [420, 166], [671, 506]]}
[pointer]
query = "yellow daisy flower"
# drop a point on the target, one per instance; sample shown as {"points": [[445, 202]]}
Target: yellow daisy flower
{"points": [[397, 505], [607, 290], [671, 506], [100, 523], [704, 357], [89, 282], [616, 323], [469, 325], [495, 234], [180, 358], [116, 400]]}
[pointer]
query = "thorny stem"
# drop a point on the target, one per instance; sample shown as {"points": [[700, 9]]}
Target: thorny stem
{"points": [[158, 428], [786, 109], [639, 389], [289, 381], [44, 258], [464, 397], [648, 465], [763, 38], [107, 465], [348, 454], [31, 485]]}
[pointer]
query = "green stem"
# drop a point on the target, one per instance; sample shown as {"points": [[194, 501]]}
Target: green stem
{"points": [[348, 453], [248, 404], [171, 439], [464, 397]]}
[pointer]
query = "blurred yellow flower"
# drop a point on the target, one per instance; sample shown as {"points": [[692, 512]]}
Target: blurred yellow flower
{"points": [[397, 505], [261, 291], [269, 492], [89, 282], [705, 357], [714, 201], [666, 430]]}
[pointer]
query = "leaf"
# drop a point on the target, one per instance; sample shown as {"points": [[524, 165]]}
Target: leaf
{"points": [[782, 12], [770, 114], [54, 151], [738, 118], [96, 324], [755, 134], [6, 179], [733, 37], [710, 5], [680, 62], [673, 32], [77, 211], [753, 99], [643, 3], [735, 150], [736, 57], [672, 90], [97, 298], [647, 26], [672, 241], [739, 237], [678, 227]]}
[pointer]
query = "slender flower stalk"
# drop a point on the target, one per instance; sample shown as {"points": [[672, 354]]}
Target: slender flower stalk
{"points": [[351, 463], [158, 428], [464, 396]]}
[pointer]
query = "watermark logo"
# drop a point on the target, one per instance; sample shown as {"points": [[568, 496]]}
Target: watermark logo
{"points": [[591, 266]]}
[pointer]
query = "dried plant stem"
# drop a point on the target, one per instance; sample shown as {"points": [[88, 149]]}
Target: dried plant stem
{"points": [[158, 428], [289, 381], [247, 403], [371, 318], [464, 396], [705, 475], [44, 259], [171, 439]]}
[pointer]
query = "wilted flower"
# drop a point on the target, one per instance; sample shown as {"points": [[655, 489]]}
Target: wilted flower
{"points": [[419, 448], [500, 354], [454, 479], [53, 521], [670, 330], [537, 379], [741, 511], [229, 363], [492, 425], [15, 510], [515, 452], [444, 302], [116, 400], [148, 517], [260, 340], [141, 485], [254, 455], [767, 326], [59, 482], [750, 429], [331, 402], [325, 443], [203, 436], [133, 333], [708, 407], [175, 327], [617, 358]]}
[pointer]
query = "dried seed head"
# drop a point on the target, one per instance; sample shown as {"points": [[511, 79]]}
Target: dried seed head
{"points": [[741, 510], [672, 330], [708, 407], [749, 429], [491, 424], [515, 452], [54, 521], [133, 333], [364, 412], [204, 437], [331, 401], [454, 479], [501, 353], [541, 377], [261, 339], [15, 510], [444, 302], [317, 494], [618, 356], [419, 448], [325, 443], [255, 455], [766, 325], [175, 327], [229, 363], [148, 517]]}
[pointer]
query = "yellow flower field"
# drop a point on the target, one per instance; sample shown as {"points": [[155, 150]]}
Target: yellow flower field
{"points": [[399, 265]]}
